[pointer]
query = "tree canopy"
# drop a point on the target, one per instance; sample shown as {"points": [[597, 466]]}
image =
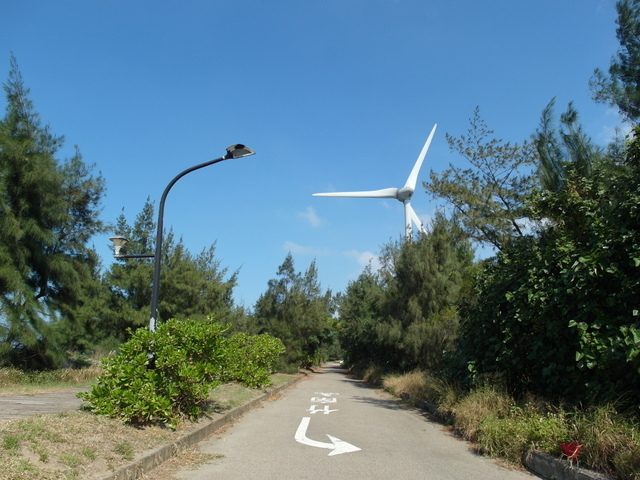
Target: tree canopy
{"points": [[621, 87], [295, 310], [488, 197], [49, 208]]}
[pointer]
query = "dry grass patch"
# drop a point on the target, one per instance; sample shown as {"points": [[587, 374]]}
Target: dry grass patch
{"points": [[71, 445], [230, 395], [419, 385], [190, 459], [611, 441], [412, 384], [81, 445], [14, 381]]}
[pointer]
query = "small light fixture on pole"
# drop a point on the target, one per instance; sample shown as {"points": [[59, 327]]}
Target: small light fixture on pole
{"points": [[234, 151], [119, 241]]}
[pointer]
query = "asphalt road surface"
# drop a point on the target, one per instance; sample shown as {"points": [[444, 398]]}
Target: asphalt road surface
{"points": [[331, 426], [17, 406]]}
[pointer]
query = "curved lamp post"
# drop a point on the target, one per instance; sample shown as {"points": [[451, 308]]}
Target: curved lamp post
{"points": [[233, 151]]}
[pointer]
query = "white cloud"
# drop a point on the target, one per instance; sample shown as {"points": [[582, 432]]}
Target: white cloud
{"points": [[302, 250], [609, 132], [311, 217], [364, 258]]}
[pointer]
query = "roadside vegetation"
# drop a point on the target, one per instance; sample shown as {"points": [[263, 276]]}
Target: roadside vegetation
{"points": [[165, 376], [14, 381], [539, 344], [81, 445], [504, 427]]}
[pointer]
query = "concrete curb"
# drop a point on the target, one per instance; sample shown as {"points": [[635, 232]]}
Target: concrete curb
{"points": [[551, 467], [154, 458], [540, 463]]}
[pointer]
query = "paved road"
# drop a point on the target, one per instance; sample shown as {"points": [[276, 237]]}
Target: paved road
{"points": [[17, 406], [335, 427]]}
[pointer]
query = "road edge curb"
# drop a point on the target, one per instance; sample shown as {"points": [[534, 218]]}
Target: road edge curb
{"points": [[156, 457], [549, 466]]}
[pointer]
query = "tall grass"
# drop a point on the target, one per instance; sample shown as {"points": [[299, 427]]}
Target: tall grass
{"points": [[419, 385], [506, 428], [12, 378], [611, 441]]}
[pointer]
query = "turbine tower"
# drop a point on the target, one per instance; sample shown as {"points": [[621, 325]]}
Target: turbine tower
{"points": [[403, 194]]}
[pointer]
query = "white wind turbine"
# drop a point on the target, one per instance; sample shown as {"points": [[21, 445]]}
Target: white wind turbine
{"points": [[403, 194]]}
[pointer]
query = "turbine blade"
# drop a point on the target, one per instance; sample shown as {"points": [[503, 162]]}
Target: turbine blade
{"points": [[413, 176], [384, 193], [415, 218], [408, 229]]}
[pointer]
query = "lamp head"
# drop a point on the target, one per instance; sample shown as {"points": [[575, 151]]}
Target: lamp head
{"points": [[238, 151], [118, 242]]}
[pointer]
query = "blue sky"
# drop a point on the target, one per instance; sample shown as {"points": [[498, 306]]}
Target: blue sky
{"points": [[332, 95]]}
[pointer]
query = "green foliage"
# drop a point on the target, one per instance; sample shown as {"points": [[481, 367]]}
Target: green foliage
{"points": [[621, 87], [611, 441], [522, 429], [488, 198], [294, 310], [48, 212], [359, 311], [191, 286], [160, 376], [405, 316], [563, 149], [568, 298], [251, 359], [420, 308]]}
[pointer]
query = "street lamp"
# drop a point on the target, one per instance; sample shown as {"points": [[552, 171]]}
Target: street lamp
{"points": [[233, 151], [119, 241]]}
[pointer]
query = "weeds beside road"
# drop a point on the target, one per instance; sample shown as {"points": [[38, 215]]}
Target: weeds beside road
{"points": [[14, 381], [504, 428]]}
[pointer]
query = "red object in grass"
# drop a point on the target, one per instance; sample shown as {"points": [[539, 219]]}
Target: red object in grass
{"points": [[571, 450]]}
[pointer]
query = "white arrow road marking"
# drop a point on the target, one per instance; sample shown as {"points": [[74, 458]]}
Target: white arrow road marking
{"points": [[337, 446]]}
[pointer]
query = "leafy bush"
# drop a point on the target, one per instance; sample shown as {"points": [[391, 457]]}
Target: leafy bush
{"points": [[250, 359], [158, 377], [557, 314]]}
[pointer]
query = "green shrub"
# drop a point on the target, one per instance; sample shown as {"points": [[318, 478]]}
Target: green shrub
{"points": [[251, 359], [159, 377]]}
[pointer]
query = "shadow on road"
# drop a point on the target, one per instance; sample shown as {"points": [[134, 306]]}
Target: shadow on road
{"points": [[348, 377], [389, 404]]}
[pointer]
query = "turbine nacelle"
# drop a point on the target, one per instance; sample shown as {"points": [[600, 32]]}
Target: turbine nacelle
{"points": [[403, 194]]}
